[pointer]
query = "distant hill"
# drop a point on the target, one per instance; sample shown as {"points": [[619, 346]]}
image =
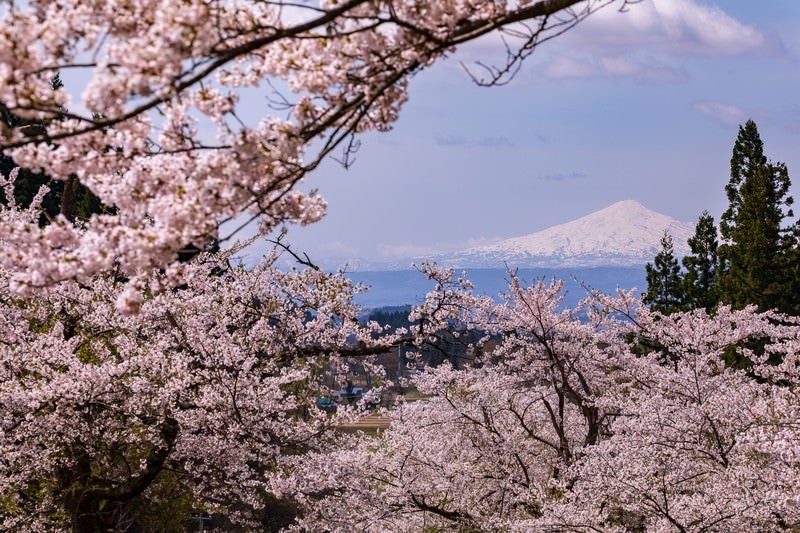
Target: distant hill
{"points": [[406, 287]]}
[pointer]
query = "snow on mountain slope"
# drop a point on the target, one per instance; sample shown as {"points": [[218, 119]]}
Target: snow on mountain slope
{"points": [[625, 233]]}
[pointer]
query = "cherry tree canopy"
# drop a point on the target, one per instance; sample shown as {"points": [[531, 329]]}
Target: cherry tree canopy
{"points": [[129, 380], [192, 396], [607, 417], [197, 397], [160, 69]]}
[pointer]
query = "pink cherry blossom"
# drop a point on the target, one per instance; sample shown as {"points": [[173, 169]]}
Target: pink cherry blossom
{"points": [[157, 68]]}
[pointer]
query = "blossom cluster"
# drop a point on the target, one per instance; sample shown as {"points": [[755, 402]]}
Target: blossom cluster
{"points": [[163, 139], [607, 417], [203, 395]]}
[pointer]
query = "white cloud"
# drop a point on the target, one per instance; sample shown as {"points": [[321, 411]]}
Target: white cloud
{"points": [[563, 176], [396, 252], [495, 141], [567, 67], [647, 41], [642, 69], [684, 27], [405, 251], [695, 28], [339, 249], [477, 241], [726, 114]]}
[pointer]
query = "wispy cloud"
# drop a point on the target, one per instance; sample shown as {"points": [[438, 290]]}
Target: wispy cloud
{"points": [[567, 67], [727, 115], [402, 251], [642, 69], [405, 251], [477, 241], [451, 140], [494, 142], [497, 141], [563, 176], [339, 249]]}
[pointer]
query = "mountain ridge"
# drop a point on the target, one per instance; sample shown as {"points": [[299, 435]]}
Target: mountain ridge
{"points": [[625, 233]]}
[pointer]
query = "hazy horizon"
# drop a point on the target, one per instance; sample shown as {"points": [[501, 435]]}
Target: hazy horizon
{"points": [[641, 105]]}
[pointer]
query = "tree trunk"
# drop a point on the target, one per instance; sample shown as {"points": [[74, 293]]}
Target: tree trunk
{"points": [[68, 197]]}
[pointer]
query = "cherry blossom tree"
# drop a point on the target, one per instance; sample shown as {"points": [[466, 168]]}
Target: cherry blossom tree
{"points": [[193, 401], [134, 384], [160, 137], [608, 417]]}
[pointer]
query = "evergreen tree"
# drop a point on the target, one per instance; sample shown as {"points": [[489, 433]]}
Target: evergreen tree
{"points": [[664, 291], [755, 265], [700, 280]]}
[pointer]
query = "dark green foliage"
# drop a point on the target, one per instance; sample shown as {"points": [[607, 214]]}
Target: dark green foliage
{"points": [[700, 279], [756, 257], [28, 183], [69, 198], [393, 316], [664, 284], [757, 262]]}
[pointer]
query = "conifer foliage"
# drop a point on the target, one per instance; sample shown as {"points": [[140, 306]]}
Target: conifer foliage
{"points": [[755, 252], [756, 260], [664, 280], [699, 283]]}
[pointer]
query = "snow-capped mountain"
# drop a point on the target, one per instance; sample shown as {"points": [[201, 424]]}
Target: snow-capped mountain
{"points": [[623, 234]]}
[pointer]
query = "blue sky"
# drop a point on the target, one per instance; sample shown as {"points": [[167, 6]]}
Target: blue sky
{"points": [[640, 105], [643, 105]]}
